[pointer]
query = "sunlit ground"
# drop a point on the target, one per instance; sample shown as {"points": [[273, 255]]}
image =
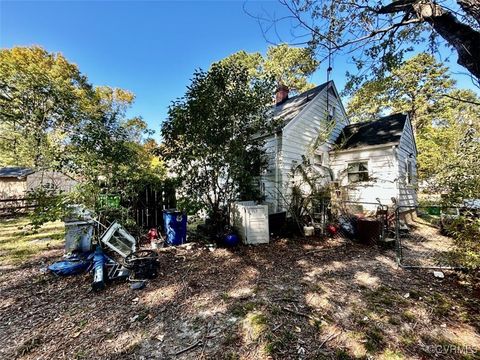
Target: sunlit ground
{"points": [[290, 299]]}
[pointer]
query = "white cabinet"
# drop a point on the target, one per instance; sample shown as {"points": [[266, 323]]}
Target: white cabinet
{"points": [[251, 222]]}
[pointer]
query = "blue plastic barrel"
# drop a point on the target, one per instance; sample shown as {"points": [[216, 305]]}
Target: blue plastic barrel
{"points": [[175, 226]]}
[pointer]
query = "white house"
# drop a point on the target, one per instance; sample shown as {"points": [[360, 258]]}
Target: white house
{"points": [[376, 160], [366, 160]]}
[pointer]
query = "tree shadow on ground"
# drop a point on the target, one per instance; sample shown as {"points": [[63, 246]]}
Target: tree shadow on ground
{"points": [[293, 298]]}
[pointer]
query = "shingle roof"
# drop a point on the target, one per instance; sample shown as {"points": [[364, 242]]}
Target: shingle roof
{"points": [[15, 171], [385, 130], [292, 107]]}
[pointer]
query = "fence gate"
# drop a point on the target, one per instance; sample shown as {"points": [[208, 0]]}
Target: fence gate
{"points": [[422, 237]]}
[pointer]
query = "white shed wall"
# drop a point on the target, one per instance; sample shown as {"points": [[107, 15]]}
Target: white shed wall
{"points": [[382, 169]]}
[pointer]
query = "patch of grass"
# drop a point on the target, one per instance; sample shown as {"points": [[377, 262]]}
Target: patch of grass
{"points": [[254, 325], [82, 323], [408, 316], [375, 340], [394, 320], [379, 300], [391, 355], [440, 304], [230, 355], [408, 338], [241, 310], [341, 354], [18, 245]]}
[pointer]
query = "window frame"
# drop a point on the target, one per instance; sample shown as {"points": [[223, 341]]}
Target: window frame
{"points": [[409, 173], [358, 172]]}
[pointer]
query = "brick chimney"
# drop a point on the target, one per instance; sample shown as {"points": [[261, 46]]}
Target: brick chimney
{"points": [[281, 95]]}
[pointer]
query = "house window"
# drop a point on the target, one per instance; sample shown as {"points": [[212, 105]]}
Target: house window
{"points": [[331, 111], [409, 171], [357, 172], [318, 159]]}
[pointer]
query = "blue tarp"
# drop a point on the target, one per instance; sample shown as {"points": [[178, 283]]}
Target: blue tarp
{"points": [[71, 266]]}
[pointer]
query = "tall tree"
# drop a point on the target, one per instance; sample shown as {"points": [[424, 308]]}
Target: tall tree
{"points": [[414, 87], [42, 97], [52, 118], [286, 64], [212, 135], [378, 34]]}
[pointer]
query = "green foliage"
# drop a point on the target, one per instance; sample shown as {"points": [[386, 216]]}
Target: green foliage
{"points": [[375, 36], [286, 64], [308, 192], [42, 97], [466, 232], [53, 118], [212, 137], [423, 88]]}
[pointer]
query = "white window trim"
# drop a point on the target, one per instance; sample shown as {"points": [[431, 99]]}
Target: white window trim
{"points": [[358, 172]]}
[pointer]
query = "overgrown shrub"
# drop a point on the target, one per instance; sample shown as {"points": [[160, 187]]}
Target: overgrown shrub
{"points": [[466, 234]]}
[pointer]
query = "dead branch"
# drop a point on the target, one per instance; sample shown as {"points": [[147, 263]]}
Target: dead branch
{"points": [[298, 313], [193, 346], [331, 337]]}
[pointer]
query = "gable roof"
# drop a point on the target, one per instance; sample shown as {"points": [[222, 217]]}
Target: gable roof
{"points": [[385, 130], [15, 171], [289, 109]]}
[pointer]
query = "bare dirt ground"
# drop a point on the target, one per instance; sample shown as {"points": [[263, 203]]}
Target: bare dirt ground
{"points": [[290, 299]]}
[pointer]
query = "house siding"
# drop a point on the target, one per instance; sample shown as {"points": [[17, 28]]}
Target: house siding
{"points": [[270, 181], [300, 135], [12, 187], [407, 193], [382, 169]]}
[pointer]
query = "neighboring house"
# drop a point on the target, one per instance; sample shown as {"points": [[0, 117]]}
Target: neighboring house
{"points": [[15, 182], [377, 160], [366, 161]]}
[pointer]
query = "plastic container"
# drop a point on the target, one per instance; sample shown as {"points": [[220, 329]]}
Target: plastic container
{"points": [[175, 226], [231, 240], [78, 230]]}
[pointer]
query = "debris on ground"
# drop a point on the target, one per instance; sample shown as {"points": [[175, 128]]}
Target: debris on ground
{"points": [[345, 300]]}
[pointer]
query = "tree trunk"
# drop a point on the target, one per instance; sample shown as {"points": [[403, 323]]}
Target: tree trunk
{"points": [[462, 37], [471, 7]]}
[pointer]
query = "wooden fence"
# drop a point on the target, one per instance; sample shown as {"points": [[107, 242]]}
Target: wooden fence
{"points": [[148, 209], [15, 206]]}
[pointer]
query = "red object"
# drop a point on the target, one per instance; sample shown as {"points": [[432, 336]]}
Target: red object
{"points": [[152, 234], [332, 229]]}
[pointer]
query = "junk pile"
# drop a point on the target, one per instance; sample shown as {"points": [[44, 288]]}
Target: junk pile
{"points": [[110, 252]]}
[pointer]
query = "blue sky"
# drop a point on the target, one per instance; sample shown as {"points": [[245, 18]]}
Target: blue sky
{"points": [[150, 48]]}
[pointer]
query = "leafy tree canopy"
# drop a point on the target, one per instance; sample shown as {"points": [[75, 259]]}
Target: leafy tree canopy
{"points": [[53, 118], [377, 34], [212, 136], [288, 65]]}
